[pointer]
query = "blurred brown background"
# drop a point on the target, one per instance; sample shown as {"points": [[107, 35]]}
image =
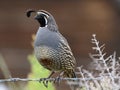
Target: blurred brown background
{"points": [[77, 21]]}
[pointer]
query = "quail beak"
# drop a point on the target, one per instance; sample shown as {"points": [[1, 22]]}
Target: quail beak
{"points": [[36, 17]]}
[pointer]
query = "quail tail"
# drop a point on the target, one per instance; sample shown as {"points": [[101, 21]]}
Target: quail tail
{"points": [[70, 73]]}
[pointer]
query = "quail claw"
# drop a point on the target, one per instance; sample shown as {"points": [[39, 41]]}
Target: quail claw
{"points": [[41, 79], [44, 81]]}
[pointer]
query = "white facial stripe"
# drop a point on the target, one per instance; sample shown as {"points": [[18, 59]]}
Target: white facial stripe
{"points": [[45, 20], [42, 13]]}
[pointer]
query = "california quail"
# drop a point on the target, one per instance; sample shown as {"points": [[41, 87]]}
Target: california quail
{"points": [[51, 48]]}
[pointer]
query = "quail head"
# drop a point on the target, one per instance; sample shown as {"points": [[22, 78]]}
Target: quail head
{"points": [[51, 48]]}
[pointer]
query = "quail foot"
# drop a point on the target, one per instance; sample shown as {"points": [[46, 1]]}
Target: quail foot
{"points": [[51, 48]]}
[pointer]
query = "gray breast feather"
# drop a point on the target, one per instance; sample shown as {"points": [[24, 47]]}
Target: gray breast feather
{"points": [[49, 38]]}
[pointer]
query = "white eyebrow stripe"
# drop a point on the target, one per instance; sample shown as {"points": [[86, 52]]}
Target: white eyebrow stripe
{"points": [[42, 13]]}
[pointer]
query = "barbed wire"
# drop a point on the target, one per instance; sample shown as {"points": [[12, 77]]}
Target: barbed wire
{"points": [[49, 79]]}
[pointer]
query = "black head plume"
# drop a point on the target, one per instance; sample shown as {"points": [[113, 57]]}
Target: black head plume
{"points": [[28, 13], [44, 18]]}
